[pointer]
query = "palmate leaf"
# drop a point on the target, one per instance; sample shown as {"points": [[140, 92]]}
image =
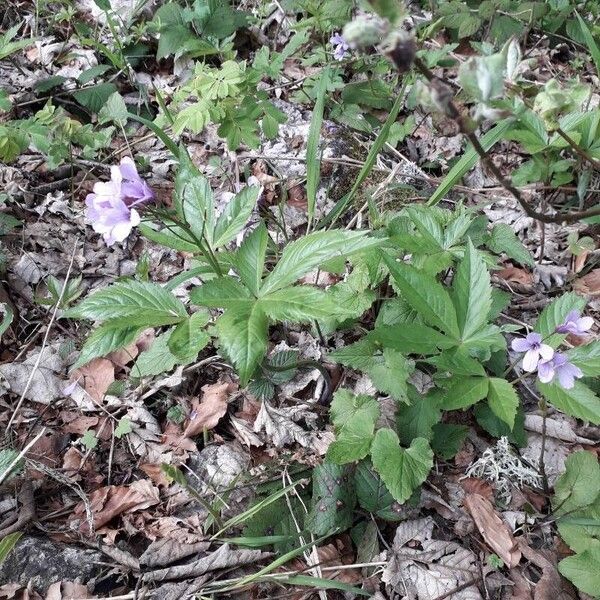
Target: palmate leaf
{"points": [[464, 392], [373, 495], [249, 260], [189, 337], [243, 336], [411, 338], [402, 470], [223, 292], [426, 296], [580, 401], [471, 292], [235, 216], [131, 304], [503, 400], [416, 420], [307, 253], [300, 304]]}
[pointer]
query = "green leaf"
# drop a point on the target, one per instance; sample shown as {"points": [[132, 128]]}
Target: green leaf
{"points": [[249, 260], [587, 358], [416, 420], [45, 85], [374, 93], [156, 360], [448, 439], [6, 317], [313, 160], [95, 96], [307, 253], [7, 543], [591, 44], [410, 338], [503, 400], [114, 111], [464, 392], [579, 485], [243, 336], [471, 292], [581, 529], [89, 439], [498, 428], [223, 292], [468, 160], [235, 215], [333, 500], [189, 337], [172, 236], [426, 296], [583, 570], [402, 470], [457, 362], [504, 239], [7, 456], [299, 304], [554, 315], [106, 339], [354, 419], [579, 401], [373, 495], [123, 427], [130, 304], [92, 73]]}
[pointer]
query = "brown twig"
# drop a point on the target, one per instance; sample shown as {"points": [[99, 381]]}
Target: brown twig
{"points": [[453, 112]]}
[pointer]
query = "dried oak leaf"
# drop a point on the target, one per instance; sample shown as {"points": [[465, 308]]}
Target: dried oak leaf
{"points": [[207, 412], [493, 529]]}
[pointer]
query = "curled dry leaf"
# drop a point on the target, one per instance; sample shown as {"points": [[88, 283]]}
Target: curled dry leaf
{"points": [[167, 551], [588, 285], [514, 275], [493, 529], [95, 377], [110, 501], [207, 412]]}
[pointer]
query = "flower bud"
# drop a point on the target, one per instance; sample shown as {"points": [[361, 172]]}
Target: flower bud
{"points": [[400, 46], [365, 30]]}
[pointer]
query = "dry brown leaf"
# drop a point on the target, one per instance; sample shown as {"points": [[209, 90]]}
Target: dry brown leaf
{"points": [[474, 485], [167, 551], [67, 590], [207, 412], [588, 285], [493, 529], [110, 501], [95, 377], [516, 275], [121, 358]]}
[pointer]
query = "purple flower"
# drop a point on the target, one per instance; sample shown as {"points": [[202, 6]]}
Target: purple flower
{"points": [[110, 206], [575, 323], [341, 47], [534, 350], [559, 365]]}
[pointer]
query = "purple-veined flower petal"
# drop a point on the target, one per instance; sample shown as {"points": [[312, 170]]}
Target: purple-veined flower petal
{"points": [[520, 345], [546, 371], [530, 360]]}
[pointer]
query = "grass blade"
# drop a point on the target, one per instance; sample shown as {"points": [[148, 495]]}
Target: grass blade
{"points": [[160, 133], [380, 140], [7, 543], [590, 42], [468, 160], [313, 160], [323, 584]]}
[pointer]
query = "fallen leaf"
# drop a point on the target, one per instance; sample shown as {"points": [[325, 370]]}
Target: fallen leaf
{"points": [[167, 551], [279, 424], [95, 377], [558, 428], [474, 485], [207, 412], [493, 529], [588, 285], [516, 275], [67, 590]]}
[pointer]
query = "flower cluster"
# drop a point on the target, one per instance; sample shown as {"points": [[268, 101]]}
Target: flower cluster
{"points": [[340, 46], [110, 208], [542, 357]]}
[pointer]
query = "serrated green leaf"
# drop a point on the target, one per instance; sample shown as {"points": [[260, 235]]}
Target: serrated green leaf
{"points": [[131, 304], [89, 439], [307, 253], [581, 529], [458, 362], [416, 420], [579, 485], [402, 470], [299, 304], [189, 337], [106, 339], [426, 296], [373, 495], [156, 360], [504, 239], [503, 400], [333, 500], [448, 439], [498, 428], [123, 427], [579, 401], [114, 111], [249, 260], [223, 292], [471, 292], [243, 336], [464, 392], [410, 338], [7, 543], [583, 570], [354, 419], [587, 358], [554, 315], [95, 96], [235, 215], [92, 73]]}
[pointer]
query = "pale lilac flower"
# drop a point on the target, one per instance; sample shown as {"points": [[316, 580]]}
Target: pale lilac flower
{"points": [[534, 350], [575, 323], [110, 206], [341, 47], [559, 366]]}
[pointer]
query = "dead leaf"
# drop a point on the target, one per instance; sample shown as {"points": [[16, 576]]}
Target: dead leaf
{"points": [[588, 285], [95, 377], [110, 501], [515, 275], [167, 551], [558, 428], [121, 358], [207, 412], [474, 485], [67, 590], [493, 529], [279, 424]]}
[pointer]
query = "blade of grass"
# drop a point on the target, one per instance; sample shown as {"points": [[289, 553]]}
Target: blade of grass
{"points": [[7, 543], [590, 42], [160, 133], [468, 160], [313, 160], [259, 541], [364, 172], [319, 583]]}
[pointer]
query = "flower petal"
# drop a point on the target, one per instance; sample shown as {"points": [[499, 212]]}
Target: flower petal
{"points": [[530, 361], [584, 324], [520, 345], [546, 352], [546, 371]]}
